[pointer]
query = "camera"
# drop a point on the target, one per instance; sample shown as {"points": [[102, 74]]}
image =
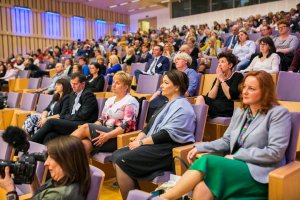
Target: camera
{"points": [[24, 168]]}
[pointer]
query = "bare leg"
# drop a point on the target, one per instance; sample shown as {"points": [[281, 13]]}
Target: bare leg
{"points": [[186, 184], [125, 182], [202, 192], [82, 132], [200, 100], [87, 146]]}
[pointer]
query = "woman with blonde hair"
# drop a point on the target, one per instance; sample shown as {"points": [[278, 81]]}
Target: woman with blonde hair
{"points": [[212, 51], [114, 67], [118, 116], [169, 51], [129, 58]]}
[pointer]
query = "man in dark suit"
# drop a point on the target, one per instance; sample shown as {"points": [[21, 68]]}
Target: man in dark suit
{"points": [[83, 108], [232, 39], [158, 65]]}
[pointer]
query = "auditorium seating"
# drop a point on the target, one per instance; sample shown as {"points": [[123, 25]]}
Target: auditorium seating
{"points": [[43, 101]]}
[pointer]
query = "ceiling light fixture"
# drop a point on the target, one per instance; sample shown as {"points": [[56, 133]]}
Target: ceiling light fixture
{"points": [[133, 1], [131, 10], [123, 4], [113, 6], [165, 1], [154, 5], [142, 8]]}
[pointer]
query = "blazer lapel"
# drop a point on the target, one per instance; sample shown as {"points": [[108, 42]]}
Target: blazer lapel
{"points": [[257, 120], [236, 132]]}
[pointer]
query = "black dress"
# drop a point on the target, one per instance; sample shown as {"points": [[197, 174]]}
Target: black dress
{"points": [[148, 161], [96, 84], [221, 106]]}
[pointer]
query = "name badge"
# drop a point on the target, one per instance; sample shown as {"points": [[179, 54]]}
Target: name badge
{"points": [[159, 65]]}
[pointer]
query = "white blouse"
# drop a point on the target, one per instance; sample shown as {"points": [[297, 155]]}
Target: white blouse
{"points": [[270, 65]]}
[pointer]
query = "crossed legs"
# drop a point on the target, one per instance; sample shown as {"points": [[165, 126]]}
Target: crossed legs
{"points": [[191, 180]]}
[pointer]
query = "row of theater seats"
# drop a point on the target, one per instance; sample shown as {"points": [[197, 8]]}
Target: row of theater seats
{"points": [[288, 94]]}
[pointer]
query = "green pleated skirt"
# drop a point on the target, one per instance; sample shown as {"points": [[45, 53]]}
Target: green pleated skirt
{"points": [[229, 179]]}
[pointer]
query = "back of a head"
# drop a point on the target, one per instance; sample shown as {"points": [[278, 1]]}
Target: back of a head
{"points": [[69, 153]]}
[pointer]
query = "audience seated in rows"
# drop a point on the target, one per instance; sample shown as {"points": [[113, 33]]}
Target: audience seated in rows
{"points": [[82, 108]]}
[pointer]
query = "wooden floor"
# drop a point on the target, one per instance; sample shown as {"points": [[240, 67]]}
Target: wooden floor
{"points": [[108, 192]]}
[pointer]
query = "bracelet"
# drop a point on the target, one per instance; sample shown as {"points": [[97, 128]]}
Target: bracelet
{"points": [[12, 195], [141, 142]]}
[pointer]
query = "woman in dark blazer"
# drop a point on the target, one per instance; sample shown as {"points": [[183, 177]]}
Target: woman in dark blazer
{"points": [[95, 81], [56, 109]]}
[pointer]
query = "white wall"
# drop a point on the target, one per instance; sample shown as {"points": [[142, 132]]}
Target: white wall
{"points": [[164, 20]]}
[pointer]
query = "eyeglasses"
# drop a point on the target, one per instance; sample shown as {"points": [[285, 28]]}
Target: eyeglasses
{"points": [[263, 44], [281, 27]]}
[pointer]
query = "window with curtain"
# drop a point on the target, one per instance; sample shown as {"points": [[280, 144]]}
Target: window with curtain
{"points": [[100, 29], [52, 24], [78, 28], [21, 20], [118, 29]]}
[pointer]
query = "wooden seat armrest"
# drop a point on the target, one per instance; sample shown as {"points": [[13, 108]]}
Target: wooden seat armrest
{"points": [[124, 139], [104, 94], [139, 95], [29, 90], [6, 117], [181, 152], [25, 196], [21, 117], [284, 182]]}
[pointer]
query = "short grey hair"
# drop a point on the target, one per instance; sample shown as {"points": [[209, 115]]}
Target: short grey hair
{"points": [[184, 56]]}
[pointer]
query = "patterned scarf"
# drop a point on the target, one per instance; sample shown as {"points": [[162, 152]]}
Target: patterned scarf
{"points": [[249, 119]]}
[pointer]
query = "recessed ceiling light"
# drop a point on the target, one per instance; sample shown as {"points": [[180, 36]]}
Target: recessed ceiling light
{"points": [[133, 1], [154, 5], [123, 4], [142, 8], [131, 10], [113, 6], [165, 1]]}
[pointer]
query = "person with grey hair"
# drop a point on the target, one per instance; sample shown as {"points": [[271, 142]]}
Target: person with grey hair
{"points": [[186, 49], [59, 67], [182, 62]]}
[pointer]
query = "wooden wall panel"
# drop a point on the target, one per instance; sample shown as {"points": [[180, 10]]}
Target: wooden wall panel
{"points": [[21, 44]]}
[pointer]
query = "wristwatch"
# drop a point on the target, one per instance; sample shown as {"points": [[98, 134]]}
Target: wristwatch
{"points": [[141, 142]]}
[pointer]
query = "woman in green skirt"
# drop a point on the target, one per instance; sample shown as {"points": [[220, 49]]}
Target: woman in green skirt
{"points": [[254, 145]]}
